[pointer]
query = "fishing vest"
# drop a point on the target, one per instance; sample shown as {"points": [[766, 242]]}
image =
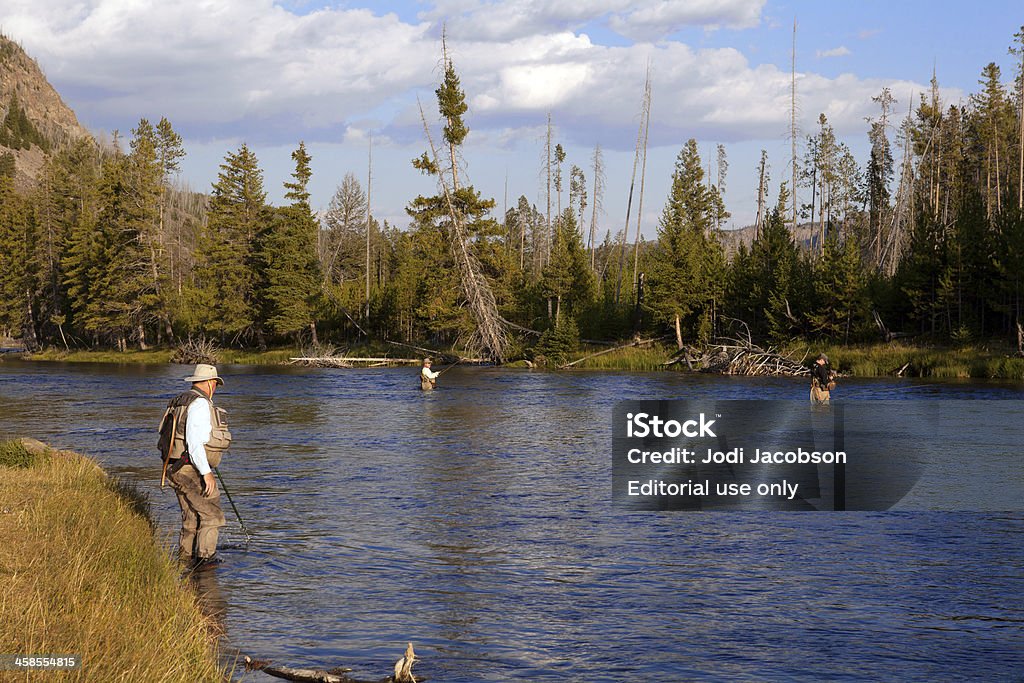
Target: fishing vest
{"points": [[426, 384], [176, 416]]}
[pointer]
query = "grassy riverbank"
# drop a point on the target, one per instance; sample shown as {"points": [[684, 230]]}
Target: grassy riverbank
{"points": [[83, 575], [982, 361], [994, 361], [162, 356]]}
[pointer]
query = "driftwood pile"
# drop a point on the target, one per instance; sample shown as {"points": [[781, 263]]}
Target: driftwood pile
{"points": [[732, 357], [740, 356], [193, 351]]}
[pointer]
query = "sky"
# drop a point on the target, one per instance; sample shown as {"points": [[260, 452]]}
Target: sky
{"points": [[338, 74]]}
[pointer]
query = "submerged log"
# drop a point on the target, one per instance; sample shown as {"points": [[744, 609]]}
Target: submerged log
{"points": [[402, 672]]}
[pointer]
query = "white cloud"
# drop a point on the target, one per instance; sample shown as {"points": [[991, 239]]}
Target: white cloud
{"points": [[841, 51], [253, 69], [653, 20], [637, 19], [220, 63]]}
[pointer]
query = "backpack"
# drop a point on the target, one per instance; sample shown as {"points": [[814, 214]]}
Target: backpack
{"points": [[172, 425]]}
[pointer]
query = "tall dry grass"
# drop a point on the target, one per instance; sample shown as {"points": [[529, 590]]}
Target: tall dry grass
{"points": [[82, 574]]}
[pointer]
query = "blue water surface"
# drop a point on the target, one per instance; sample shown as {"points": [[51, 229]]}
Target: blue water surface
{"points": [[476, 522]]}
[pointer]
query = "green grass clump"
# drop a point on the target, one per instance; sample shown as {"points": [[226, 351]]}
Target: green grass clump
{"points": [[14, 454], [631, 359], [151, 356]]}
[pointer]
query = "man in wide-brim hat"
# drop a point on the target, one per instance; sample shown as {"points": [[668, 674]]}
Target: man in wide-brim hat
{"points": [[200, 438]]}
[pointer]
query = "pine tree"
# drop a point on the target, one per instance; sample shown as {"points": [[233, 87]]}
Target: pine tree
{"points": [[145, 184], [841, 287], [223, 299], [567, 278], [344, 229], [14, 225], [287, 254], [685, 273]]}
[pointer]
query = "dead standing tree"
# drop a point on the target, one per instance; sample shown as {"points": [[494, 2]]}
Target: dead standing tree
{"points": [[490, 337]]}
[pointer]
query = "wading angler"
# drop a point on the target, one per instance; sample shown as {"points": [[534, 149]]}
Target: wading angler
{"points": [[193, 437]]}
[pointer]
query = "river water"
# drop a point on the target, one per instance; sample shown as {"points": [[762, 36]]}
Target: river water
{"points": [[476, 522]]}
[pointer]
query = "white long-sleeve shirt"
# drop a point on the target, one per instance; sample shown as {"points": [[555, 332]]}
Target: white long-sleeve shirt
{"points": [[198, 429], [428, 374]]}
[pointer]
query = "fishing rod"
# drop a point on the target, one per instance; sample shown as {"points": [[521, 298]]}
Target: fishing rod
{"points": [[459, 360], [227, 494]]}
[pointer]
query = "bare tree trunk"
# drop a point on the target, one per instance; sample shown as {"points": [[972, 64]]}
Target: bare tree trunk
{"points": [[679, 333], [999, 192], [646, 117], [814, 198], [522, 240], [988, 186], [760, 197], [547, 165], [597, 198], [629, 209], [821, 214], [369, 180], [1020, 171], [792, 125]]}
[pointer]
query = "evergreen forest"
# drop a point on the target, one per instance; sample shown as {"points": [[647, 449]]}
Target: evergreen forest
{"points": [[923, 239]]}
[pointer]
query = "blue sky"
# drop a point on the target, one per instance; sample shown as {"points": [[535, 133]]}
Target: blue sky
{"points": [[332, 74]]}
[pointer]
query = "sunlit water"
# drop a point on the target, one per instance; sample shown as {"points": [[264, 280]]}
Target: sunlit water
{"points": [[476, 522]]}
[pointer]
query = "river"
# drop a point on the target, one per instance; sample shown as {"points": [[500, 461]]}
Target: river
{"points": [[476, 522]]}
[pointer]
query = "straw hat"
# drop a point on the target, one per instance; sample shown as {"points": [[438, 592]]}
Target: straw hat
{"points": [[203, 373]]}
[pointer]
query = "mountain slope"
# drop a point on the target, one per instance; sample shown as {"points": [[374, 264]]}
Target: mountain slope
{"points": [[34, 120]]}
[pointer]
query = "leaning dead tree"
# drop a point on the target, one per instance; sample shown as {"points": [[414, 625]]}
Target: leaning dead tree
{"points": [[490, 338]]}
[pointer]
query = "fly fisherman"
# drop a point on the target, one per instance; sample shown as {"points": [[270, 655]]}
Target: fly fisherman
{"points": [[823, 380], [200, 437], [427, 378]]}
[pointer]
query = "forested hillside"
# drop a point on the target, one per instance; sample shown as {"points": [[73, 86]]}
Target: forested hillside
{"points": [[924, 237]]}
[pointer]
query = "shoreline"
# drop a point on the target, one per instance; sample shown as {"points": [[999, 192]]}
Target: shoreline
{"points": [[892, 359], [105, 593]]}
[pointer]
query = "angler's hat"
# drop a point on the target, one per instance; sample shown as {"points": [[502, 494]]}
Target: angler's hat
{"points": [[203, 373], [823, 357], [427, 361]]}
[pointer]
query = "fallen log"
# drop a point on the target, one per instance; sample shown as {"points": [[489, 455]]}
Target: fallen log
{"points": [[635, 342], [348, 361]]}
